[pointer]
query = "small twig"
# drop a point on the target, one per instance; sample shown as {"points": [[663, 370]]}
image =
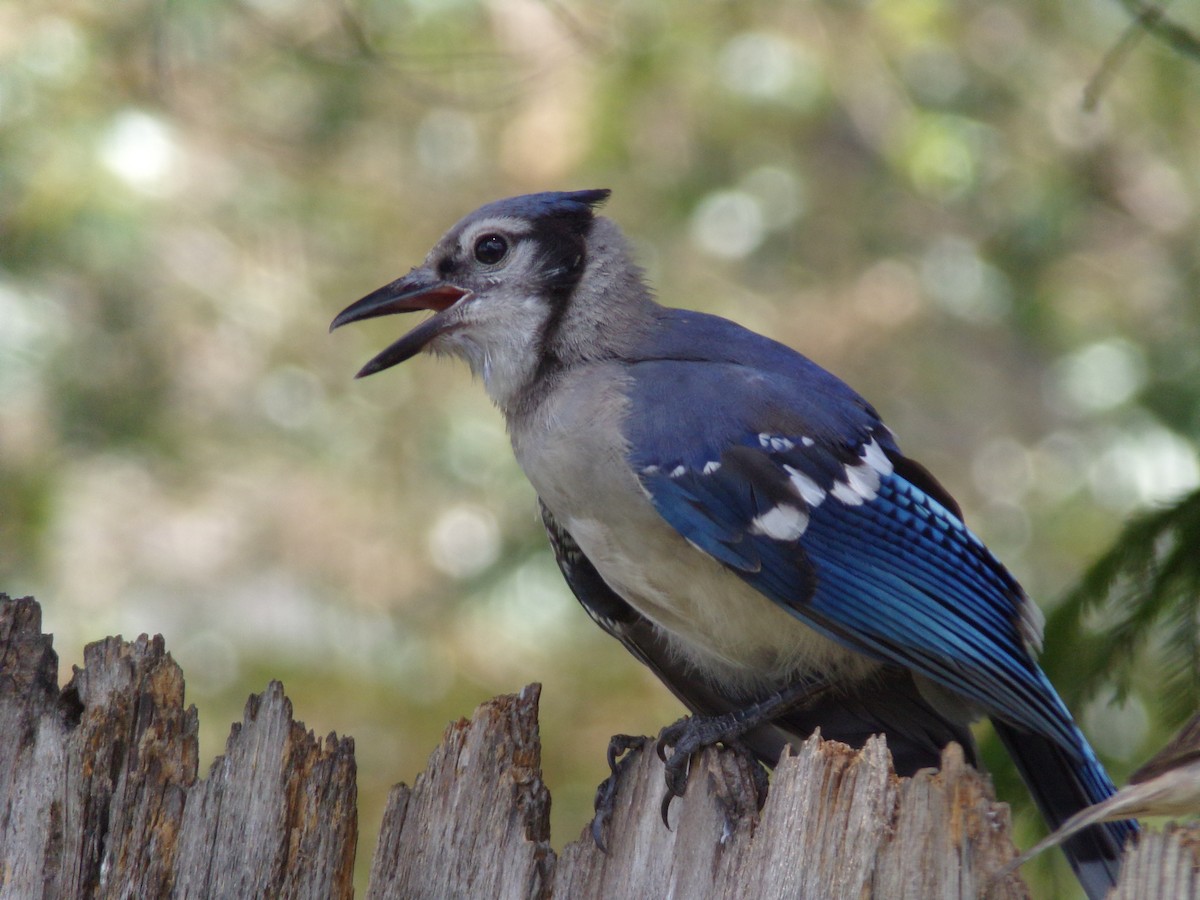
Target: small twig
{"points": [[1158, 25], [1117, 54], [1148, 20]]}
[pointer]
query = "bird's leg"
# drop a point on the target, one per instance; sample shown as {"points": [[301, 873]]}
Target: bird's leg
{"points": [[693, 733]]}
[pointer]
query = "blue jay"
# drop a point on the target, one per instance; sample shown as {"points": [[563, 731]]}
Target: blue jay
{"points": [[739, 518]]}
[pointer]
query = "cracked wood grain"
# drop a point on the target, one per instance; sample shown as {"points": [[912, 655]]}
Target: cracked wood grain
{"points": [[100, 796]]}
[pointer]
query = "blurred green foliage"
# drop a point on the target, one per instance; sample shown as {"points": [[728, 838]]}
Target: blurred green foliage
{"points": [[1131, 622], [910, 192]]}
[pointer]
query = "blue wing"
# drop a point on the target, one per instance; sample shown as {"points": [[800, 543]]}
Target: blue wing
{"points": [[782, 473]]}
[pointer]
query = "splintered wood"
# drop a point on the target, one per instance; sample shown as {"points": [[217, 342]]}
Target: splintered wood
{"points": [[99, 794], [100, 797]]}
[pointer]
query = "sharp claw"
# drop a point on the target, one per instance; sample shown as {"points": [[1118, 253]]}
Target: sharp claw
{"points": [[598, 823], [670, 737], [619, 745], [682, 739], [613, 754], [606, 792], [676, 772], [605, 795], [666, 807], [761, 782]]}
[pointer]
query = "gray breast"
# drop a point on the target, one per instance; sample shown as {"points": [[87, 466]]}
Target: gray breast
{"points": [[571, 448]]}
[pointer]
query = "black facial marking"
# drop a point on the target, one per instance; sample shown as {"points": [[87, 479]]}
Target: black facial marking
{"points": [[562, 251], [447, 266]]}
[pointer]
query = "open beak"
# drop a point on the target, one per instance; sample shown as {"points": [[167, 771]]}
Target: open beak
{"points": [[419, 289]]}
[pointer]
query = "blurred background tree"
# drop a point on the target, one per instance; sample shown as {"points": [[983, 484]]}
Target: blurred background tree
{"points": [[910, 192]]}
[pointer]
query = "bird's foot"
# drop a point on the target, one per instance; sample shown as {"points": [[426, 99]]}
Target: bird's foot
{"points": [[606, 794], [692, 734], [689, 736]]}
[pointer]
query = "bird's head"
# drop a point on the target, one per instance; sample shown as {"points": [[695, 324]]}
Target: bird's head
{"points": [[500, 283]]}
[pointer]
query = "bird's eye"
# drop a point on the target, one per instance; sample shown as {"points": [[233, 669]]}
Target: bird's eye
{"points": [[490, 249]]}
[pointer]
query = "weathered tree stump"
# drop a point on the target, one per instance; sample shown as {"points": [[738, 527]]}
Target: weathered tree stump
{"points": [[477, 822], [99, 797], [1163, 864], [837, 823]]}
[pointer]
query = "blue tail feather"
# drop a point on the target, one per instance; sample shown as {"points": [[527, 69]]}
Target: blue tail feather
{"points": [[1062, 785]]}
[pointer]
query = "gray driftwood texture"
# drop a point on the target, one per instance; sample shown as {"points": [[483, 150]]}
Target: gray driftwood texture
{"points": [[100, 797]]}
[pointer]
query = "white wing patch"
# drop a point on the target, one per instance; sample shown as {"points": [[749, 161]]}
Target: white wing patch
{"points": [[775, 442], [810, 492], [858, 484], [861, 479], [781, 523], [874, 457]]}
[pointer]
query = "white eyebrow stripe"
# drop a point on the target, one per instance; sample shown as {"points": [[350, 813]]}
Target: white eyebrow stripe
{"points": [[508, 224]]}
